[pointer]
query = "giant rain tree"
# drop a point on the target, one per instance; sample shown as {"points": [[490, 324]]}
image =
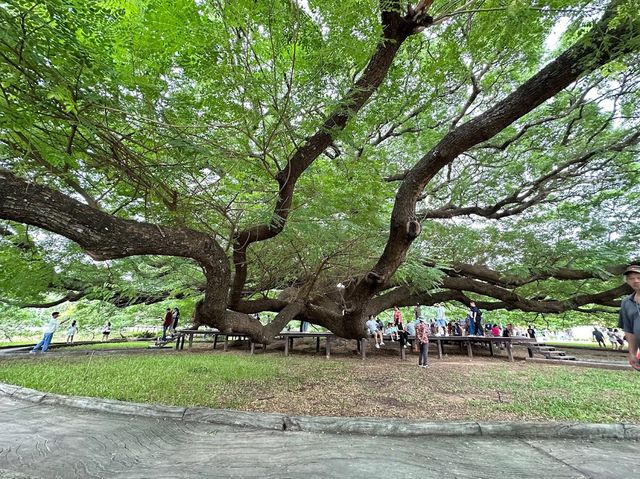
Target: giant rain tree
{"points": [[408, 152]]}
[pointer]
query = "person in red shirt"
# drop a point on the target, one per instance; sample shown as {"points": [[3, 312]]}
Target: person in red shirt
{"points": [[423, 339], [397, 315], [168, 321]]}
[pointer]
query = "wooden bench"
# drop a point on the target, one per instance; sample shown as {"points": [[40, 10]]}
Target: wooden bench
{"points": [[182, 334], [289, 336], [462, 341]]}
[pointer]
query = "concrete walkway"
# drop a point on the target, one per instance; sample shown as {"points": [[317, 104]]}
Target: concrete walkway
{"points": [[42, 441]]}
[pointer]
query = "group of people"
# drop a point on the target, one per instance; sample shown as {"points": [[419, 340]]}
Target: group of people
{"points": [[170, 323], [418, 328], [615, 338], [397, 330], [53, 325]]}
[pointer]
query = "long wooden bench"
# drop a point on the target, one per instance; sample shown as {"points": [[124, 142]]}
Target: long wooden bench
{"points": [[182, 334], [289, 337], [462, 341], [329, 337]]}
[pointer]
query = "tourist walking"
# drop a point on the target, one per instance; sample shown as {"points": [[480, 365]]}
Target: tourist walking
{"points": [[598, 336], [49, 330], [613, 339], [619, 338]]}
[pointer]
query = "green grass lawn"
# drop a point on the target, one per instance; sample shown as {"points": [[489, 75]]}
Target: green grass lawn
{"points": [[182, 380], [451, 389], [16, 343], [566, 394]]}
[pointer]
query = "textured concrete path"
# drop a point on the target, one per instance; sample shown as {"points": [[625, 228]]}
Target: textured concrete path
{"points": [[38, 441]]}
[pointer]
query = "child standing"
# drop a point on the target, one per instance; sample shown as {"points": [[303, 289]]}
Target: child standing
{"points": [[71, 332], [106, 331]]}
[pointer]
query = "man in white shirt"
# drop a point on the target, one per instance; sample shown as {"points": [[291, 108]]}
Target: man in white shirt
{"points": [[48, 333]]}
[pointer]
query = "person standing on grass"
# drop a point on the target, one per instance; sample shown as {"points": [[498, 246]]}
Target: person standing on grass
{"points": [[71, 332], [417, 311], [51, 328], [619, 338], [106, 331], [422, 337], [613, 339], [630, 315], [166, 324]]}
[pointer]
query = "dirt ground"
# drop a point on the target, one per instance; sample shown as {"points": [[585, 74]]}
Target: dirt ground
{"points": [[452, 388]]}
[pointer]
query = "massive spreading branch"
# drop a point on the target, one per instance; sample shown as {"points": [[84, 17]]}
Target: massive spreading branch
{"points": [[606, 41], [396, 29]]}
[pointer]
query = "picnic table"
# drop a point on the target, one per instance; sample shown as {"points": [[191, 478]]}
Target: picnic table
{"points": [[182, 334]]}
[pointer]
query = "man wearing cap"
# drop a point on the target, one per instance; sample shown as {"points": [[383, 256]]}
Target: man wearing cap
{"points": [[630, 314]]}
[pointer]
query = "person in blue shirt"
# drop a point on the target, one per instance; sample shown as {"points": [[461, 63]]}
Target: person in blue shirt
{"points": [[441, 321], [373, 330]]}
